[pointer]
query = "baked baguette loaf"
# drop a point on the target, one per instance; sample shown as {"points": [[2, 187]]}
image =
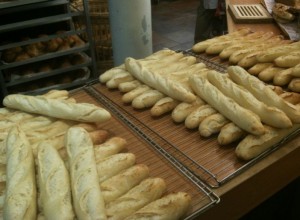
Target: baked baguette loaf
{"points": [[129, 96], [242, 117], [212, 124], [257, 68], [54, 184], [114, 164], [194, 119], [262, 92], [88, 201], [252, 146], [121, 183], [147, 191], [230, 133], [283, 77], [268, 74], [182, 110], [294, 85], [107, 75], [20, 194], [288, 60], [291, 97], [163, 106], [128, 86], [296, 70], [147, 99], [57, 108], [269, 115], [121, 77]]}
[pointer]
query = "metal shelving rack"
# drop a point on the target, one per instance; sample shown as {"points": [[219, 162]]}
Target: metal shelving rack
{"points": [[65, 14]]}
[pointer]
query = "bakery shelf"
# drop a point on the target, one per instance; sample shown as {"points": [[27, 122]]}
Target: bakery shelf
{"points": [[160, 163], [9, 4]]}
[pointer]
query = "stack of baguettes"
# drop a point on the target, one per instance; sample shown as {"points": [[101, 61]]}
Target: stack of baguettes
{"points": [[236, 106], [57, 162], [270, 57]]}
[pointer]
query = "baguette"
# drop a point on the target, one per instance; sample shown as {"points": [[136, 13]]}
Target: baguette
{"points": [[243, 117], [288, 60], [212, 124], [194, 119], [128, 86], [129, 96], [257, 68], [121, 77], [147, 99], [230, 133], [163, 106], [262, 92], [54, 184], [147, 191], [57, 94], [296, 70], [20, 193], [113, 165], [88, 201], [269, 115], [294, 85], [283, 77], [252, 146], [291, 97], [82, 112], [172, 206], [121, 183], [268, 74], [182, 110], [107, 75]]}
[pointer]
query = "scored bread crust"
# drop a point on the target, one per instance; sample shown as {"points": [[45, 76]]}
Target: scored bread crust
{"points": [[83, 112], [244, 118]]}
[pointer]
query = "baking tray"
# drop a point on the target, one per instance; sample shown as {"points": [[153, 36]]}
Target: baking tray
{"points": [[211, 163], [160, 163]]}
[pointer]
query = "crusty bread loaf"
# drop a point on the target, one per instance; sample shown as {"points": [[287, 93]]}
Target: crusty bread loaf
{"points": [[129, 96], [283, 77], [128, 86], [147, 99], [182, 110], [267, 75], [230, 133], [107, 75], [57, 94], [57, 108], [87, 197], [288, 60], [251, 146], [121, 183], [269, 115], [114, 164], [121, 77], [212, 124], [291, 97], [242, 117], [163, 106], [257, 68], [294, 85], [54, 184], [296, 70], [172, 206], [194, 119], [147, 191], [110, 147], [20, 194], [263, 92]]}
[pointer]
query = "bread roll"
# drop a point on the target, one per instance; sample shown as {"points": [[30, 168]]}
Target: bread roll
{"points": [[87, 197], [110, 147], [243, 117], [121, 77], [294, 85], [283, 77], [54, 184], [129, 96], [230, 133], [268, 74], [20, 193], [288, 60], [257, 68], [147, 99], [114, 164], [212, 124], [182, 110], [269, 115], [107, 75], [121, 183], [98, 136], [263, 92], [83, 112], [252, 146], [128, 86], [194, 119], [172, 206], [147, 191], [296, 70], [163, 106]]}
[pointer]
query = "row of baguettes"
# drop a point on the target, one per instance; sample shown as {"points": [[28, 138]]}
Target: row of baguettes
{"points": [[167, 81], [58, 168], [270, 57]]}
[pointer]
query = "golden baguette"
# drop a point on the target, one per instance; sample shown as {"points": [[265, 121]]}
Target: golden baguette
{"points": [[129, 96], [147, 191], [121, 183], [212, 124], [128, 86], [242, 117], [257, 68], [20, 194], [252, 146], [82, 112], [262, 92], [147, 99], [87, 197], [107, 75], [163, 106], [121, 77], [194, 119], [172, 206], [294, 85], [283, 77], [288, 60], [54, 184], [291, 97], [296, 70], [230, 133]]}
